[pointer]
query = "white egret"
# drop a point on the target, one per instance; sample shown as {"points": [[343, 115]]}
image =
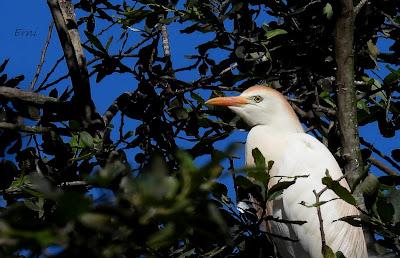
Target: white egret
{"points": [[276, 131]]}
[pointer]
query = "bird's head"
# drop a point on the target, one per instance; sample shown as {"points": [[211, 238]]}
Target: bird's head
{"points": [[261, 105]]}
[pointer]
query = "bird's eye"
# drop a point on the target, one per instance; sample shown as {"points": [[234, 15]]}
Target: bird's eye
{"points": [[257, 99]]}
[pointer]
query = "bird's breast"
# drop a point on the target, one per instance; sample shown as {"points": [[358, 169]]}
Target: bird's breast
{"points": [[270, 143]]}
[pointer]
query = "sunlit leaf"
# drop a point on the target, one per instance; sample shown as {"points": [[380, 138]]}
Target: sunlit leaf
{"points": [[339, 190], [273, 33]]}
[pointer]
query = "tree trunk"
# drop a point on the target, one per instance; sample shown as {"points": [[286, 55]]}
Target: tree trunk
{"points": [[67, 29], [347, 105]]}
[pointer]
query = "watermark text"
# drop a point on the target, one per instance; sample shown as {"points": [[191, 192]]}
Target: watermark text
{"points": [[25, 33]]}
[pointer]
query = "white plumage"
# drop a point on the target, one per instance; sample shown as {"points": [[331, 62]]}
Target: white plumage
{"points": [[278, 134]]}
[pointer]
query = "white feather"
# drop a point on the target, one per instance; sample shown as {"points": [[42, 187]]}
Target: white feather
{"points": [[300, 154]]}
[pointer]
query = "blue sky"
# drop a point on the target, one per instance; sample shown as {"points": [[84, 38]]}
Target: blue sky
{"points": [[33, 17]]}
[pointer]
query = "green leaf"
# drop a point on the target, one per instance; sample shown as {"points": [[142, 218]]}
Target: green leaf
{"points": [[197, 27], [162, 237], [197, 97], [274, 195], [110, 39], [328, 11], [273, 33], [95, 41], [377, 85], [95, 221], [370, 185], [86, 139], [339, 190], [352, 220], [73, 124], [3, 65], [19, 182], [385, 210], [44, 237], [129, 134], [219, 189], [362, 105], [327, 252], [393, 77], [135, 16], [180, 113], [259, 159], [373, 51], [74, 143], [394, 199], [70, 205], [325, 95], [279, 187]]}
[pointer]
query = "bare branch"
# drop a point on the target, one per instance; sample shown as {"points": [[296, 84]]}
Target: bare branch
{"points": [[74, 183], [34, 129], [379, 153], [383, 167], [43, 56], [165, 41], [359, 6], [67, 29], [390, 18], [321, 221], [230, 68], [24, 128], [49, 74], [32, 97]]}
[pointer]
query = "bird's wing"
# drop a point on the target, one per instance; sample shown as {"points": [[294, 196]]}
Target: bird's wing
{"points": [[302, 155]]}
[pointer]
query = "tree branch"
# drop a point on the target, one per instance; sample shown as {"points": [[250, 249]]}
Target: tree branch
{"points": [[359, 6], [43, 56], [165, 41], [379, 153], [383, 167], [24, 128], [321, 221], [34, 129], [67, 29], [346, 97], [347, 106], [49, 74], [32, 97]]}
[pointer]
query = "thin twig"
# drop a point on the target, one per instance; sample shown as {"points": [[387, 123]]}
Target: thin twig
{"points": [[321, 221], [230, 68], [43, 56], [394, 23], [42, 84], [49, 73], [327, 110], [113, 109], [74, 183], [232, 171], [44, 87]]}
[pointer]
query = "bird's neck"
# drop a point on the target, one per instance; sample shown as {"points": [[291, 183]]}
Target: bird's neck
{"points": [[283, 122]]}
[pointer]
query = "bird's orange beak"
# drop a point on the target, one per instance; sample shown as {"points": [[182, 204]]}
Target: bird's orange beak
{"points": [[227, 101]]}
